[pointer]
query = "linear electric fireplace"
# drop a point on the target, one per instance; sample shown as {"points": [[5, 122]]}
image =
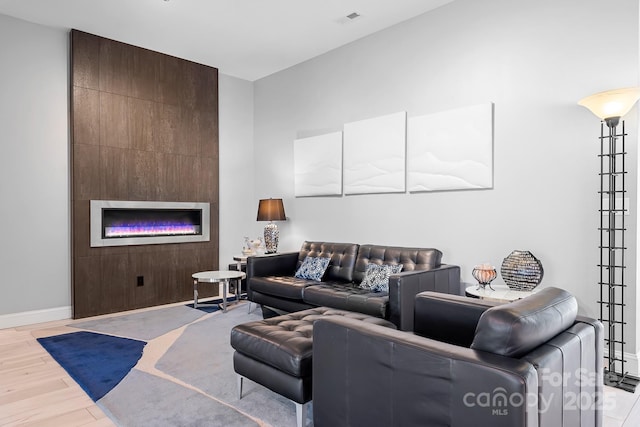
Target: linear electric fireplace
{"points": [[124, 223]]}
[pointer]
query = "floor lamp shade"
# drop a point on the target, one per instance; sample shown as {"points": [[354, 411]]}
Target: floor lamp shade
{"points": [[611, 104], [271, 210]]}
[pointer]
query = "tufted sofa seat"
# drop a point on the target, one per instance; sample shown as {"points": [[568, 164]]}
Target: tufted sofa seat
{"points": [[346, 296], [271, 281]]}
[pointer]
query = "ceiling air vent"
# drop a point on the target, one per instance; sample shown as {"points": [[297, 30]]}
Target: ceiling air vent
{"points": [[349, 18]]}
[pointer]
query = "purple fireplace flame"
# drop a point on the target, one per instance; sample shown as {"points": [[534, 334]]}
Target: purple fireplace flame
{"points": [[120, 223], [146, 229]]}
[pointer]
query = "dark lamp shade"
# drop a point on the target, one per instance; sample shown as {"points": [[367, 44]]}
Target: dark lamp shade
{"points": [[271, 210]]}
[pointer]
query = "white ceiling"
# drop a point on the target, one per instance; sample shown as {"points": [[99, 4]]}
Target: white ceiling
{"points": [[249, 39]]}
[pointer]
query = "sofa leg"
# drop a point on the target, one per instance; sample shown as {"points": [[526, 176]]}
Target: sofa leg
{"points": [[301, 414], [239, 381]]}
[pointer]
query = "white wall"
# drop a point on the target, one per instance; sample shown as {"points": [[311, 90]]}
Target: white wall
{"points": [[534, 60], [35, 282], [237, 207], [34, 169]]}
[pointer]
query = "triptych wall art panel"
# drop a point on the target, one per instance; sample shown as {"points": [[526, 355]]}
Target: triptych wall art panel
{"points": [[449, 150], [374, 153], [318, 165]]}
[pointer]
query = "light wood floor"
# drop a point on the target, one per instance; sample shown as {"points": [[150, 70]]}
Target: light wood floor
{"points": [[36, 391]]}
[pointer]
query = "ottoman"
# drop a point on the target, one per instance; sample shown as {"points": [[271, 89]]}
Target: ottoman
{"points": [[277, 352]]}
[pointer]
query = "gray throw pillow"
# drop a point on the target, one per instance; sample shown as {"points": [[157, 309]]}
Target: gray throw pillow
{"points": [[376, 277], [312, 268]]}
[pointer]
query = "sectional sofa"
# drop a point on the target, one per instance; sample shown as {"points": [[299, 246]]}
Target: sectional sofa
{"points": [[271, 280]]}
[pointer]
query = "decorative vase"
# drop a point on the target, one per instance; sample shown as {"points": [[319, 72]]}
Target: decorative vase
{"points": [[484, 274], [521, 271], [271, 235]]}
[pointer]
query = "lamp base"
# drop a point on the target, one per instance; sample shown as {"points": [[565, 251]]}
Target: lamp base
{"points": [[624, 382], [271, 235]]}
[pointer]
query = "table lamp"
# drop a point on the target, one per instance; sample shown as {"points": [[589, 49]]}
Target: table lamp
{"points": [[271, 210]]}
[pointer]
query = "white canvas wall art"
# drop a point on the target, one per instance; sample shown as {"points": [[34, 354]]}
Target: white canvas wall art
{"points": [[451, 150], [318, 165], [374, 155]]}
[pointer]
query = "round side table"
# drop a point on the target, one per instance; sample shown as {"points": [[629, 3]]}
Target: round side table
{"points": [[501, 293], [222, 277]]}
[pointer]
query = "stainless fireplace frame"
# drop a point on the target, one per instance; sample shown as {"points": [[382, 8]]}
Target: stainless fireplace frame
{"points": [[96, 223]]}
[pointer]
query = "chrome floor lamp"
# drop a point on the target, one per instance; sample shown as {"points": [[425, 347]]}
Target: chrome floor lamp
{"points": [[610, 107]]}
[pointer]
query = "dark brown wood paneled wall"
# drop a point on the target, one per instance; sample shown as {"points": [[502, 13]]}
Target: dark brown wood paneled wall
{"points": [[144, 127]]}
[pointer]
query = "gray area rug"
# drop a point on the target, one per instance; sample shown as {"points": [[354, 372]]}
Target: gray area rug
{"points": [[145, 325], [142, 399], [201, 358]]}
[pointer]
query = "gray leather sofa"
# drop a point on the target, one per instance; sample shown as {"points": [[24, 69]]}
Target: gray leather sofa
{"points": [[532, 362], [271, 281]]}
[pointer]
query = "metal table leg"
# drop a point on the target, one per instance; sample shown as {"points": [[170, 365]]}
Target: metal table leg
{"points": [[225, 284], [195, 293]]}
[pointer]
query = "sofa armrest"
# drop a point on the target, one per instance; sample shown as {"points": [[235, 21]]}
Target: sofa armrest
{"points": [[282, 264], [371, 375], [448, 318], [404, 286], [598, 329]]}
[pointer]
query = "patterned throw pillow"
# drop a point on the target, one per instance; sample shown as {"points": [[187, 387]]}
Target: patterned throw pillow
{"points": [[312, 268], [376, 277]]}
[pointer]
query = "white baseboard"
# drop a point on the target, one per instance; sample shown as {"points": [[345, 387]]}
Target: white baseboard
{"points": [[36, 316], [631, 365]]}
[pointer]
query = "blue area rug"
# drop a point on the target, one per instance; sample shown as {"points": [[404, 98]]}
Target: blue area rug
{"points": [[212, 306], [96, 362]]}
